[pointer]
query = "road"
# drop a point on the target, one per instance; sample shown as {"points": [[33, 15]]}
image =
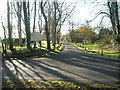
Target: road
{"points": [[69, 65]]}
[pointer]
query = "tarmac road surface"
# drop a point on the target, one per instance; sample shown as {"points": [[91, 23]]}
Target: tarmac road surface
{"points": [[69, 65]]}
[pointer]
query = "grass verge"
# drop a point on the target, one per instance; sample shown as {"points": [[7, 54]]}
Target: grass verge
{"points": [[95, 49], [55, 85]]}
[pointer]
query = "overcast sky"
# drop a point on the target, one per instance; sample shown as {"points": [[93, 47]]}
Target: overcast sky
{"points": [[84, 11]]}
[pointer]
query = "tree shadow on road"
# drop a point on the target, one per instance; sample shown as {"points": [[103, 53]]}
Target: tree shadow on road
{"points": [[106, 66], [37, 75], [10, 75], [50, 69]]}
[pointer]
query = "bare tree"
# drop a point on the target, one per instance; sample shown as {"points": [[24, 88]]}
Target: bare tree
{"points": [[64, 13], [112, 12], [4, 45], [114, 17], [55, 23], [18, 9], [40, 21], [34, 20], [9, 28], [27, 22], [46, 24], [19, 6]]}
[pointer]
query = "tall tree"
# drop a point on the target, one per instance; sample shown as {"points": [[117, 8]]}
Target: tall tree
{"points": [[40, 22], [55, 24], [46, 25], [114, 17], [34, 20], [64, 11], [19, 9], [9, 28], [5, 41], [34, 16], [27, 22]]}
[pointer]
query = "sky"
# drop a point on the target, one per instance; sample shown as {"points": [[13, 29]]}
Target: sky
{"points": [[83, 11]]}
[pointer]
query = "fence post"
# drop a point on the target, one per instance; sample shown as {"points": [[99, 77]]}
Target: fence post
{"points": [[102, 52], [85, 48]]}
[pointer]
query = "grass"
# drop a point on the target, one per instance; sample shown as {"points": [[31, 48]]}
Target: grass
{"points": [[22, 52], [54, 85], [98, 50], [39, 84], [19, 48], [104, 86], [94, 46], [57, 49]]}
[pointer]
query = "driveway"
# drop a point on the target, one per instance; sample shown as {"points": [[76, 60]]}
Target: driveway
{"points": [[69, 65]]}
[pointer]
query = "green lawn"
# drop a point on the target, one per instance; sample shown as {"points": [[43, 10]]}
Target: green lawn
{"points": [[98, 50], [94, 46], [43, 46], [39, 51]]}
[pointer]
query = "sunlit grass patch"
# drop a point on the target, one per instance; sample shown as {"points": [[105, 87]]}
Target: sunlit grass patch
{"points": [[20, 48], [96, 49], [23, 52]]}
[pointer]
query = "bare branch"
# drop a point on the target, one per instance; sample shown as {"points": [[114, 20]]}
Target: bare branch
{"points": [[99, 13]]}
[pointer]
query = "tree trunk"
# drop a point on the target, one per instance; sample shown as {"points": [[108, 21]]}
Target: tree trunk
{"points": [[5, 42], [19, 23], [9, 29], [34, 21], [46, 27], [40, 22], [27, 24], [55, 26], [114, 17]]}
